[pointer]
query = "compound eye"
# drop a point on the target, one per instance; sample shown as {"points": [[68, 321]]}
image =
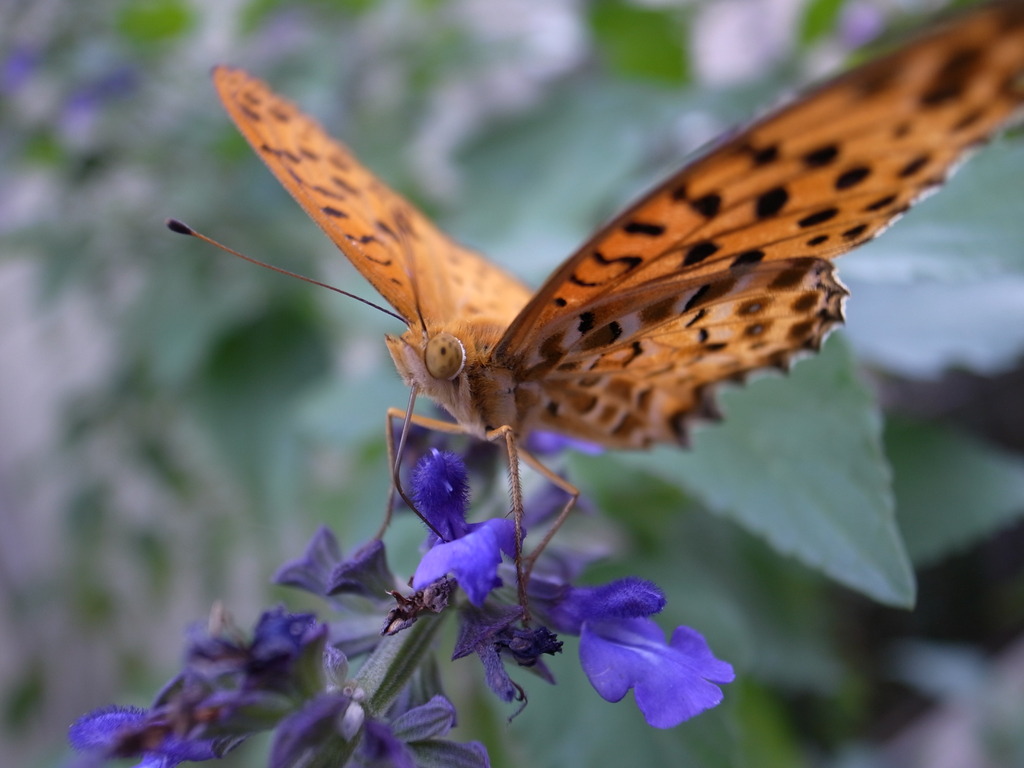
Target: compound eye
{"points": [[444, 357]]}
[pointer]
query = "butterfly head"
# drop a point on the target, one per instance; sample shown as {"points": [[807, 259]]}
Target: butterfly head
{"points": [[433, 363], [453, 368], [444, 356]]}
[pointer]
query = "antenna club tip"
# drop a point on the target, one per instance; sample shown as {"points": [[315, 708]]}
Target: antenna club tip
{"points": [[178, 226]]}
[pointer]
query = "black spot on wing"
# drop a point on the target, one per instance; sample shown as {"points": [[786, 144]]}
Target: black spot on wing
{"points": [[327, 192], [700, 251], [279, 114], [643, 228], [880, 203], [765, 155], [953, 76], [818, 217], [603, 336], [708, 205], [821, 156], [854, 232], [913, 166], [748, 257], [626, 263], [341, 184], [697, 317], [771, 202], [696, 298], [969, 119], [586, 322], [852, 177]]}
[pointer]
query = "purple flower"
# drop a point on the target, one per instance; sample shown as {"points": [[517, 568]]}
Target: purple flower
{"points": [[132, 732], [860, 23], [440, 488], [627, 598], [552, 442], [309, 730], [671, 683], [491, 634], [312, 572], [365, 573], [473, 559], [322, 570], [471, 552], [620, 648], [286, 655], [415, 737], [19, 66], [86, 103], [380, 747]]}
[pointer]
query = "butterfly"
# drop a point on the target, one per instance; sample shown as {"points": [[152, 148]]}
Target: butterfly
{"points": [[723, 269]]}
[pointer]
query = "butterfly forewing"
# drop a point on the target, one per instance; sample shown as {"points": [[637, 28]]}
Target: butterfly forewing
{"points": [[419, 270], [814, 179]]}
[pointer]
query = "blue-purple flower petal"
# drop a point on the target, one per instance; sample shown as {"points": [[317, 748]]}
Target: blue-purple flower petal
{"points": [[379, 747], [627, 598], [313, 570], [473, 559], [671, 683], [431, 720], [100, 728], [440, 488], [541, 442], [307, 730], [119, 732]]}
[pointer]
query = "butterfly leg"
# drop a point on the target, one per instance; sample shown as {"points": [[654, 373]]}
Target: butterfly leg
{"points": [[515, 490], [394, 457], [559, 482]]}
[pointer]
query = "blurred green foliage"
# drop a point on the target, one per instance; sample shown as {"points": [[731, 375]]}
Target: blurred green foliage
{"points": [[177, 423]]}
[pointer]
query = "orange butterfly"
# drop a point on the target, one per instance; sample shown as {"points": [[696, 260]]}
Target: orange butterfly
{"points": [[721, 270]]}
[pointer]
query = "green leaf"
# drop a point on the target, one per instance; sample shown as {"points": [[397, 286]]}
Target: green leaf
{"points": [[152, 21], [641, 42], [799, 461], [533, 190], [951, 489], [448, 754], [820, 18], [971, 229], [767, 738], [249, 390], [911, 329]]}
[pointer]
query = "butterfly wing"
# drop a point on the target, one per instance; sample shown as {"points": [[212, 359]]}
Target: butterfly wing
{"points": [[800, 186], [421, 272], [632, 369]]}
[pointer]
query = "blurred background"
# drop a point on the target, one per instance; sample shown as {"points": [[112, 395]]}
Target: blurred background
{"points": [[174, 423]]}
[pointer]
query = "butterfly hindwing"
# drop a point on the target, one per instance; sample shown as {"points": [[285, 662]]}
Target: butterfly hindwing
{"points": [[633, 367]]}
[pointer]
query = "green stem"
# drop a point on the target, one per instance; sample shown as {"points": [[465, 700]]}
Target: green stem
{"points": [[393, 662], [382, 677]]}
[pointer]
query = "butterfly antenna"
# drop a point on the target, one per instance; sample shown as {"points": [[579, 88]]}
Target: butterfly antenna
{"points": [[183, 229]]}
